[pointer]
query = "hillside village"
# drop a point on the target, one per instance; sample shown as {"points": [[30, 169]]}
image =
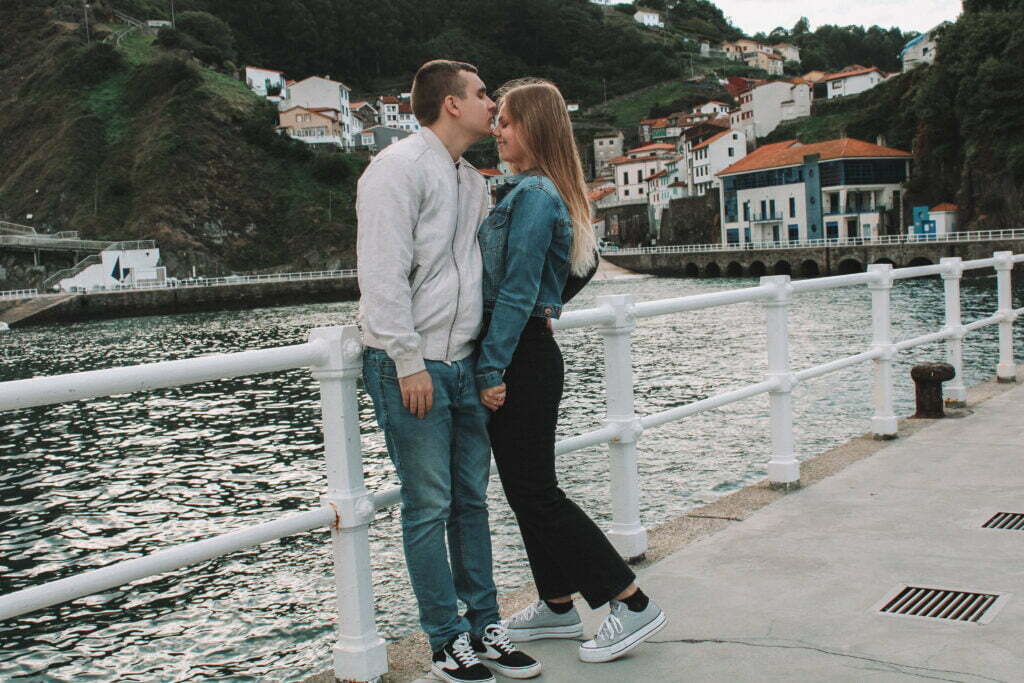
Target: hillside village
{"points": [[699, 163]]}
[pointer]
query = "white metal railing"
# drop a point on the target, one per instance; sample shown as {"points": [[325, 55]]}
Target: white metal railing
{"points": [[978, 236], [52, 242], [334, 356], [18, 293], [16, 228]]}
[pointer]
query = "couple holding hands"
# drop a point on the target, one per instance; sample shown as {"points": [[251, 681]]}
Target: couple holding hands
{"points": [[460, 360]]}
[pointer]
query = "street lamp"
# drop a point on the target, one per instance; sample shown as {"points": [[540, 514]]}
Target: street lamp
{"points": [[85, 11]]}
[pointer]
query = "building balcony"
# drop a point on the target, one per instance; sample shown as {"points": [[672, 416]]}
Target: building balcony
{"points": [[855, 210], [767, 217]]}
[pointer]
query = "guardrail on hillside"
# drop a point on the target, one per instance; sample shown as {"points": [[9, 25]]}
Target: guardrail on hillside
{"points": [[16, 229], [18, 294], [977, 236], [334, 356]]}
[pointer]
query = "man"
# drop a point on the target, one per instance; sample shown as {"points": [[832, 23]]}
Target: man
{"points": [[419, 205]]}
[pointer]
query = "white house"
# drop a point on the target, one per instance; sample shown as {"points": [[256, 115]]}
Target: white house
{"points": [[944, 216], [853, 82], [406, 119], [764, 107], [117, 268], [788, 51], [607, 146], [265, 81], [387, 110], [712, 107], [648, 17], [320, 92], [707, 158], [790, 192], [638, 164], [920, 50]]}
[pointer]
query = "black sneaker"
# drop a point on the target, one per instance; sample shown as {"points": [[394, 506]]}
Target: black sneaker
{"points": [[497, 651], [457, 662]]}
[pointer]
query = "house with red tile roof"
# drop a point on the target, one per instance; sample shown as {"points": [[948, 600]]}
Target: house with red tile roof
{"points": [[853, 81], [321, 92], [792, 192]]}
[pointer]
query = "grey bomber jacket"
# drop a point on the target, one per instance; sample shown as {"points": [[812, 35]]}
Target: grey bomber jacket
{"points": [[418, 260]]}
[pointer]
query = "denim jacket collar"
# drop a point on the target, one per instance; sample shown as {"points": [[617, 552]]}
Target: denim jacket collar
{"points": [[514, 180]]}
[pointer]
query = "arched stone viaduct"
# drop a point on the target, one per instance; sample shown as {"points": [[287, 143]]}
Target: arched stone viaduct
{"points": [[807, 261]]}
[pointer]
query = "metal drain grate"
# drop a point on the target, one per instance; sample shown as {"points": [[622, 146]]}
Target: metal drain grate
{"points": [[1006, 520], [939, 603]]}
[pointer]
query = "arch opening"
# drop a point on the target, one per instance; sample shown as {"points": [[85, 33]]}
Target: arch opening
{"points": [[734, 270], [757, 269], [691, 270], [809, 269], [850, 265], [782, 268], [712, 270]]}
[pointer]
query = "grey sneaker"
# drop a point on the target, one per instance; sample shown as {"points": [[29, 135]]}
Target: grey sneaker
{"points": [[538, 621], [622, 631]]}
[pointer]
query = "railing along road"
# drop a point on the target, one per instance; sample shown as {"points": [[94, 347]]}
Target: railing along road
{"points": [[334, 356]]}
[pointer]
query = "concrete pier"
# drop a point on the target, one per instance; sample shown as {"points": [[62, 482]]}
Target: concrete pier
{"points": [[767, 586]]}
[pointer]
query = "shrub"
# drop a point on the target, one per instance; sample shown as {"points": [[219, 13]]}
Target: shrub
{"points": [[333, 169]]}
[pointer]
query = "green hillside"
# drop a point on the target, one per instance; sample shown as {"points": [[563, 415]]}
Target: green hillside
{"points": [[131, 141]]}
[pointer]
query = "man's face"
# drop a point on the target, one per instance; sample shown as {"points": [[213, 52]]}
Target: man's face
{"points": [[476, 107]]}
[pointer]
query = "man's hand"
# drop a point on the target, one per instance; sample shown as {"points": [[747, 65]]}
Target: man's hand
{"points": [[493, 398], [417, 393]]}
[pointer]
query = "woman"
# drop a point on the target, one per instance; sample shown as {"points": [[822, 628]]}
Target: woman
{"points": [[539, 250]]}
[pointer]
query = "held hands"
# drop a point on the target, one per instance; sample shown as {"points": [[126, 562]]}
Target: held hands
{"points": [[417, 393], [493, 398]]}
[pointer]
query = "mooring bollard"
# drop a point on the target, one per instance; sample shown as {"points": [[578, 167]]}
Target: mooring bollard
{"points": [[928, 379]]}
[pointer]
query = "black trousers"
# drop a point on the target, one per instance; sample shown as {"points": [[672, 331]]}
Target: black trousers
{"points": [[568, 553]]}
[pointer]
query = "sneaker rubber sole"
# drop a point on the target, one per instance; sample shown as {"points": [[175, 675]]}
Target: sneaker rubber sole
{"points": [[445, 676], [524, 635], [512, 672], [607, 654]]}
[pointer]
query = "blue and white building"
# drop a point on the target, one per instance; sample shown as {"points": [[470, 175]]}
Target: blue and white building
{"points": [[791, 192]]}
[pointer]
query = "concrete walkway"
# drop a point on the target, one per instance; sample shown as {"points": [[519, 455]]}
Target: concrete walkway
{"points": [[791, 593]]}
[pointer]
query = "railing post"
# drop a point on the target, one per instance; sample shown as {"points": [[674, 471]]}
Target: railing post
{"points": [[627, 533], [360, 654], [783, 469], [883, 422], [956, 390], [1006, 371]]}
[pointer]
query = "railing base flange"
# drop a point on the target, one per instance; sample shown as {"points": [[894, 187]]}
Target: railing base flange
{"points": [[885, 437], [784, 486]]}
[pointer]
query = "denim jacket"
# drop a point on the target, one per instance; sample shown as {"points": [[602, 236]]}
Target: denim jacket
{"points": [[525, 244]]}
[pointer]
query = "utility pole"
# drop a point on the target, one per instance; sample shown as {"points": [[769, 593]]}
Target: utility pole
{"points": [[604, 82], [85, 11], [172, 14]]}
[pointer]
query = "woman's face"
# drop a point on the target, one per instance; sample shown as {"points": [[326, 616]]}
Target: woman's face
{"points": [[508, 135]]}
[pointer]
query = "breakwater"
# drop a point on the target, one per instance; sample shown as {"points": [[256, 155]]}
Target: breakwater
{"points": [[172, 300]]}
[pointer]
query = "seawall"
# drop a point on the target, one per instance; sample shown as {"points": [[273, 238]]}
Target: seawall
{"points": [[131, 303]]}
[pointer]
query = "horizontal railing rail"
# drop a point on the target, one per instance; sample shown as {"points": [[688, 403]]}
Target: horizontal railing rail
{"points": [[16, 228], [52, 242], [977, 236], [334, 356]]}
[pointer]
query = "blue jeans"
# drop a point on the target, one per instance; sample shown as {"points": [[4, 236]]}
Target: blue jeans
{"points": [[443, 462]]}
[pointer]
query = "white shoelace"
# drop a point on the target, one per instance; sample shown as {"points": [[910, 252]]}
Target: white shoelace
{"points": [[498, 636], [524, 615], [611, 627], [463, 651]]}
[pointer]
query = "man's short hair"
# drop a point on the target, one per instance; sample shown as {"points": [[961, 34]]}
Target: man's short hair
{"points": [[435, 81]]}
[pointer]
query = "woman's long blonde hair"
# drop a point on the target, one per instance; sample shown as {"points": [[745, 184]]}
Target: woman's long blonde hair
{"points": [[546, 134]]}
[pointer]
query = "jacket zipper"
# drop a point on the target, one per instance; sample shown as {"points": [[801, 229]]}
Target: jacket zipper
{"points": [[455, 262]]}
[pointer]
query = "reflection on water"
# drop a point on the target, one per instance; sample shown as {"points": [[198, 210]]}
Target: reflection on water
{"points": [[86, 484]]}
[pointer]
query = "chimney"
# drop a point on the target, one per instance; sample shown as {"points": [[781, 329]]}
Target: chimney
{"points": [[880, 140]]}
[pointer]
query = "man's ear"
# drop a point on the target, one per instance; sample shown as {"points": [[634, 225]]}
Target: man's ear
{"points": [[451, 105]]}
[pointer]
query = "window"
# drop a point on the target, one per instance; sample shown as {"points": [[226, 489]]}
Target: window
{"points": [[792, 207], [730, 151], [625, 177]]}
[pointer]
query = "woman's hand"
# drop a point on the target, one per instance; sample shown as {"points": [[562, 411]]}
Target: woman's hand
{"points": [[493, 398]]}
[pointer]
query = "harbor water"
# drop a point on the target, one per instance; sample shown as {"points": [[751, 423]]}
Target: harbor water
{"points": [[86, 484]]}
